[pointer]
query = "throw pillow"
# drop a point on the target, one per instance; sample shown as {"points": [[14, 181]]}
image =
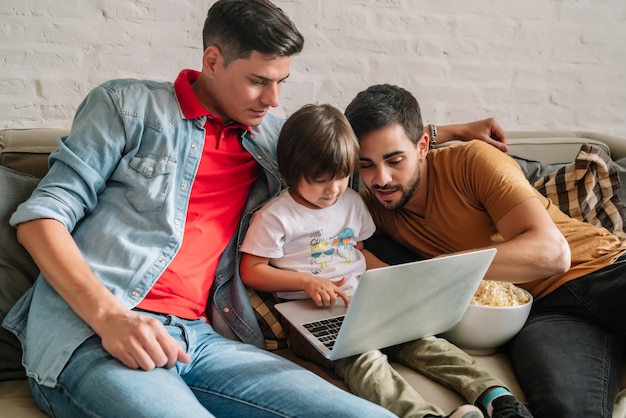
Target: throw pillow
{"points": [[535, 170], [588, 189], [17, 269]]}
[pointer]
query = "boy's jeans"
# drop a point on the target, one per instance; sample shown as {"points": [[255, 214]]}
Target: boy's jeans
{"points": [[225, 378]]}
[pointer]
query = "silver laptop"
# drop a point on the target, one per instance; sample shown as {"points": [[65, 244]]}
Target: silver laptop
{"points": [[393, 305]]}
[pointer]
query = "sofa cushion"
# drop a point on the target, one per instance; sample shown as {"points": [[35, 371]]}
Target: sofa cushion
{"points": [[17, 269], [16, 400]]}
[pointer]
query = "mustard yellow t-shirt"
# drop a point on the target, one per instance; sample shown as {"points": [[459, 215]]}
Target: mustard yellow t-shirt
{"points": [[470, 187]]}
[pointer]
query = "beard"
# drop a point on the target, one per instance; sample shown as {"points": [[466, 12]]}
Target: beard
{"points": [[407, 191]]}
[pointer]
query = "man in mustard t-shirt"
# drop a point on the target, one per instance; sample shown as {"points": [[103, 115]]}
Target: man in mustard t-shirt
{"points": [[569, 355]]}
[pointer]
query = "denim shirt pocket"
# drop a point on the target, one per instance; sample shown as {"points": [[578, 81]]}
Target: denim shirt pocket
{"points": [[148, 181]]}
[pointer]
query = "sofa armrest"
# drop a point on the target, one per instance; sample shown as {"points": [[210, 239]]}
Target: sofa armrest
{"points": [[27, 150], [554, 147]]}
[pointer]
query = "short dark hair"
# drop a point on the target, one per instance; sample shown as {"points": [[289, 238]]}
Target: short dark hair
{"points": [[239, 27], [316, 141], [383, 105]]}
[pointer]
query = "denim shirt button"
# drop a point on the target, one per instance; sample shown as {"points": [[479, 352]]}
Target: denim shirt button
{"points": [[220, 277], [183, 186], [259, 157], [150, 169], [226, 310], [194, 147], [161, 260], [135, 294]]}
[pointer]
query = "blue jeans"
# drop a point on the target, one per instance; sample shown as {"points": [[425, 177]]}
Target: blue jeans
{"points": [[569, 355], [224, 379]]}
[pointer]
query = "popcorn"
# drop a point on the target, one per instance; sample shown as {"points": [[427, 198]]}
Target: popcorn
{"points": [[495, 293]]}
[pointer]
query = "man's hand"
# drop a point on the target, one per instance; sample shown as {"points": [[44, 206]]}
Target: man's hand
{"points": [[141, 342], [487, 130], [138, 341], [324, 292]]}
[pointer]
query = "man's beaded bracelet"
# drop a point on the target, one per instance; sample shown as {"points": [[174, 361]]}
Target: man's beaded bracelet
{"points": [[433, 135]]}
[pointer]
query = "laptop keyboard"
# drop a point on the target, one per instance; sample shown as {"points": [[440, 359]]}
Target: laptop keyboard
{"points": [[325, 330]]}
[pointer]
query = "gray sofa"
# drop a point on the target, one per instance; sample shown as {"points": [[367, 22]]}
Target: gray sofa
{"points": [[26, 151]]}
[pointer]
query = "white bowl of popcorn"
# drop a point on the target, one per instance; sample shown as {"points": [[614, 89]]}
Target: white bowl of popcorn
{"points": [[496, 314]]}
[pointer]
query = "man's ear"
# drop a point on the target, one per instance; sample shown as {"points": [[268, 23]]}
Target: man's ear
{"points": [[422, 146], [211, 57]]}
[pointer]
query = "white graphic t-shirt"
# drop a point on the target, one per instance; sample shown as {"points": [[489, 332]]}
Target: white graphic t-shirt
{"points": [[316, 241]]}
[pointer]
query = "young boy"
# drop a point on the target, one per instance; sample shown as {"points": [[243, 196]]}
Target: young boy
{"points": [[308, 243]]}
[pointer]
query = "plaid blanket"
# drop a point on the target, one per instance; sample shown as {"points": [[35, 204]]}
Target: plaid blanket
{"points": [[268, 318], [588, 189]]}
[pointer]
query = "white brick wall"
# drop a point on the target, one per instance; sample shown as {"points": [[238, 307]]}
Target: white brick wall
{"points": [[533, 64]]}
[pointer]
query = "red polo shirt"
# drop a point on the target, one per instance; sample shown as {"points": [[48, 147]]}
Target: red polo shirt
{"points": [[218, 196]]}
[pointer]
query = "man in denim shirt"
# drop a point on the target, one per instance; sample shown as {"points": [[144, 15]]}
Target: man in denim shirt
{"points": [[131, 319], [104, 333]]}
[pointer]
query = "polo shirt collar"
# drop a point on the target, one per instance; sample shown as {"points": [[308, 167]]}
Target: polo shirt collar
{"points": [[189, 103]]}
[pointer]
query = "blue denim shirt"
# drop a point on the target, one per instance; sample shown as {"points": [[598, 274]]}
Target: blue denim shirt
{"points": [[120, 182]]}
